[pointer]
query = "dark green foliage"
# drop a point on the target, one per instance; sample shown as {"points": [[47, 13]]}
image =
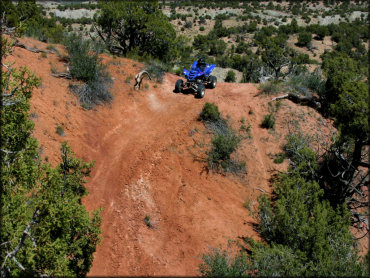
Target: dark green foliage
{"points": [[302, 58], [241, 48], [276, 55], [147, 221], [279, 158], [223, 145], [304, 234], [304, 82], [320, 30], [230, 77], [339, 69], [60, 130], [86, 66], [209, 113], [28, 18], [302, 157], [351, 109], [217, 47], [45, 229], [219, 263], [342, 176], [224, 142], [156, 70], [188, 24], [138, 27], [303, 224], [268, 121]]}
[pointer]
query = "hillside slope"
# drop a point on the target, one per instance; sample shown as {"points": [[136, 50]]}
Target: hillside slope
{"points": [[145, 146]]}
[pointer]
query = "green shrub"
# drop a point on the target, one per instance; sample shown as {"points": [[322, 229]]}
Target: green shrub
{"points": [[157, 70], [94, 92], [219, 263], [223, 145], [86, 66], [147, 221], [209, 113], [188, 24], [201, 28], [301, 83], [279, 158], [230, 77], [60, 130], [304, 39], [268, 121]]}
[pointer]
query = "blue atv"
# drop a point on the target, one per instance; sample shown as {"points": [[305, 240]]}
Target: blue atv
{"points": [[197, 78]]}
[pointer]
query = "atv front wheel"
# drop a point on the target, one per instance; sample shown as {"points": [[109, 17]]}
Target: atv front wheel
{"points": [[179, 86], [213, 81], [201, 90]]}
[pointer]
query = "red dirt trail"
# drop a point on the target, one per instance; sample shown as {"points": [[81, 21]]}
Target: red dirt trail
{"points": [[144, 145]]}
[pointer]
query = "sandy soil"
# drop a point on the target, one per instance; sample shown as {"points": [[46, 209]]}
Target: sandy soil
{"points": [[146, 146]]}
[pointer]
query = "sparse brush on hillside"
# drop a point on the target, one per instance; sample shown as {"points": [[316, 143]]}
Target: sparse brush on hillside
{"points": [[304, 82], [209, 113], [230, 77], [86, 66], [224, 142], [268, 121], [157, 70], [272, 87], [302, 233]]}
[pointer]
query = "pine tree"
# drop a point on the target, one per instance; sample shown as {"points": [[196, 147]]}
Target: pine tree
{"points": [[45, 230]]}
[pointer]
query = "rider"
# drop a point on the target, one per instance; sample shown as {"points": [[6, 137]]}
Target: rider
{"points": [[201, 64]]}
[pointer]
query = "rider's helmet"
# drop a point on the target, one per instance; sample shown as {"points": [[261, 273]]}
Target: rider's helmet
{"points": [[201, 63]]}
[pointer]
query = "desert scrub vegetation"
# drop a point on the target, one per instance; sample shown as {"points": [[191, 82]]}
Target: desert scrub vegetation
{"points": [[222, 263], [86, 66], [302, 233], [209, 113], [272, 87], [304, 82], [268, 121], [60, 130], [230, 77], [224, 142], [29, 19], [156, 70]]}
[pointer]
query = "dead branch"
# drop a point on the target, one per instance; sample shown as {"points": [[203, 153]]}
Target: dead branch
{"points": [[309, 100], [65, 75], [139, 78], [280, 97], [32, 49], [25, 234]]}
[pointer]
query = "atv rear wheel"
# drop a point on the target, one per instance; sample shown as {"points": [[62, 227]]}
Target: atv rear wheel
{"points": [[201, 90], [213, 81], [179, 86]]}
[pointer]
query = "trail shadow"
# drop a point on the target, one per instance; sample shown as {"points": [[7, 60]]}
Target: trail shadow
{"points": [[187, 92]]}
